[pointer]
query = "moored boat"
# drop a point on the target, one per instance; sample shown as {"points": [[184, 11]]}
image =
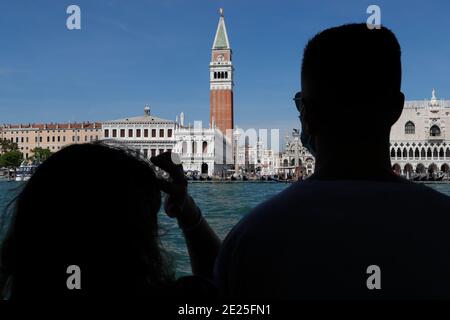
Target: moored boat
{"points": [[26, 170]]}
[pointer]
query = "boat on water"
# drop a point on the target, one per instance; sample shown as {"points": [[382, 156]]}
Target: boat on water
{"points": [[26, 170], [424, 177]]}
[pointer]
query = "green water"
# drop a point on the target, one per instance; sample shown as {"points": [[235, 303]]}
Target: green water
{"points": [[223, 204]]}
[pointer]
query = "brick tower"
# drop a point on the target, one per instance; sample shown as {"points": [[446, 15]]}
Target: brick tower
{"points": [[221, 80]]}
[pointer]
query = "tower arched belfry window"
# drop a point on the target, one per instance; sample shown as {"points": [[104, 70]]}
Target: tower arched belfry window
{"points": [[435, 131], [410, 128]]}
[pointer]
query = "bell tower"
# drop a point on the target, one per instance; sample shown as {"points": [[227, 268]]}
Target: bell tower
{"points": [[221, 80]]}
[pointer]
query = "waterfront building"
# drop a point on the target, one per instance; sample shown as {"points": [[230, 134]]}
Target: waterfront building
{"points": [[296, 160], [420, 139], [150, 136], [221, 80], [147, 134], [258, 159], [196, 147], [268, 162], [52, 136]]}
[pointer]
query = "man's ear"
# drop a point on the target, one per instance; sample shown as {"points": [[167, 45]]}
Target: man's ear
{"points": [[305, 117], [397, 107]]}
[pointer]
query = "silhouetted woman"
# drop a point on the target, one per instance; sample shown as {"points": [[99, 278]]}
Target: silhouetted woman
{"points": [[95, 207]]}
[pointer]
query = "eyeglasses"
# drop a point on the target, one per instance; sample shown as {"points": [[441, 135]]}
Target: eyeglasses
{"points": [[298, 101]]}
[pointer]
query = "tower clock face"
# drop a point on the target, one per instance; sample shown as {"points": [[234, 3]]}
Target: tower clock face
{"points": [[220, 58]]}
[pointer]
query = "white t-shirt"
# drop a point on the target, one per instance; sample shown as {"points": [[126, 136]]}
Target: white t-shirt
{"points": [[316, 240]]}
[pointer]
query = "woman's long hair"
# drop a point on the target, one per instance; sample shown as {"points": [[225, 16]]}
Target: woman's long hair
{"points": [[90, 206]]}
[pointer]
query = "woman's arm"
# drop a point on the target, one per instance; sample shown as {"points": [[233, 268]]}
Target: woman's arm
{"points": [[202, 242]]}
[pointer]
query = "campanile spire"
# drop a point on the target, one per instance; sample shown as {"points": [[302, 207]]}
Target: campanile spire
{"points": [[221, 79]]}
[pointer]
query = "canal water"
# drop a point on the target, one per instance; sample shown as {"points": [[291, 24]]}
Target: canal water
{"points": [[223, 204]]}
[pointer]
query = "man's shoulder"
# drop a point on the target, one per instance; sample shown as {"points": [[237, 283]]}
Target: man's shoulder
{"points": [[275, 207], [312, 195]]}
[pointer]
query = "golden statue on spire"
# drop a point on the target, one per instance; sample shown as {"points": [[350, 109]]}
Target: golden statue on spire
{"points": [[221, 12]]}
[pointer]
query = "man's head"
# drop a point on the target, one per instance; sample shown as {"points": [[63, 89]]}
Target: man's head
{"points": [[351, 78]]}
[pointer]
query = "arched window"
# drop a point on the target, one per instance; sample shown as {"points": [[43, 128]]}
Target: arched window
{"points": [[410, 128], [392, 153], [408, 168], [204, 168], [410, 153], [226, 74], [447, 153], [194, 147], [429, 153], [396, 168], [420, 168], [422, 153], [404, 153], [416, 153], [435, 153], [435, 131], [285, 162], [184, 147], [399, 153], [205, 147], [441, 153]]}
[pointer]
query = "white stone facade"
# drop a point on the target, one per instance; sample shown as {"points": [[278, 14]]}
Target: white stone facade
{"points": [[258, 159], [196, 147], [296, 157], [147, 134], [201, 149], [420, 139]]}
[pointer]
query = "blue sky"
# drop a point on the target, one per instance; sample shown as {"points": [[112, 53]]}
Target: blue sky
{"points": [[129, 53]]}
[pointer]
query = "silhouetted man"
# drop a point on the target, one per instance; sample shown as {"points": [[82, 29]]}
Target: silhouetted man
{"points": [[354, 230]]}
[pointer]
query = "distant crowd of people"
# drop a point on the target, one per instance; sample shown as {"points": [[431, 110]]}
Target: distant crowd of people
{"points": [[92, 209]]}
